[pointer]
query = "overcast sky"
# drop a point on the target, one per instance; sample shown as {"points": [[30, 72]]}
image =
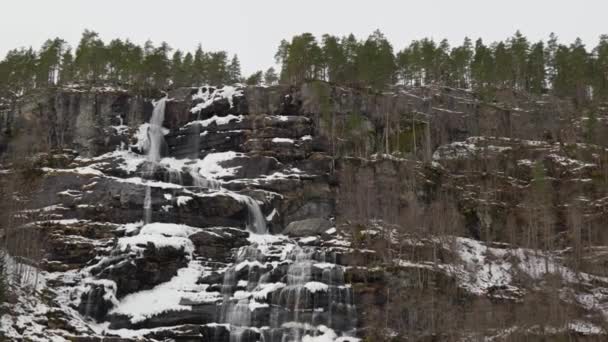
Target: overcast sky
{"points": [[254, 28]]}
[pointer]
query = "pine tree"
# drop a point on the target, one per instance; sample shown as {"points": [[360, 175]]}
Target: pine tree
{"points": [[600, 70], [404, 61], [217, 68], [90, 60], [482, 66], [301, 60], [335, 59], [503, 71], [255, 78], [376, 61], [461, 59], [178, 74], [350, 47], [66, 72], [519, 49], [200, 66], [550, 54], [49, 61], [580, 68], [234, 70], [270, 76], [535, 70], [188, 67]]}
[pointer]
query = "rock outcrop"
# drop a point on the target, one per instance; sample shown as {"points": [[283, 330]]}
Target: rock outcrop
{"points": [[281, 212]]}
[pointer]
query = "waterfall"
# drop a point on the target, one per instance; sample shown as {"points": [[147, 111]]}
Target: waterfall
{"points": [[256, 222], [236, 308], [202, 182], [296, 296], [155, 130], [155, 141], [148, 206]]}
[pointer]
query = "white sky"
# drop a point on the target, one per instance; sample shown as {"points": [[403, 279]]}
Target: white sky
{"points": [[254, 28]]}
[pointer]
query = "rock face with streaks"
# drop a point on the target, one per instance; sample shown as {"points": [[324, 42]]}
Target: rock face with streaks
{"points": [[291, 213]]}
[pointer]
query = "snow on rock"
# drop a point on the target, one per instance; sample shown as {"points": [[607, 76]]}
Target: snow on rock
{"points": [[168, 229], [253, 305], [138, 242], [264, 289], [208, 95], [282, 140], [164, 297], [210, 167], [153, 184], [129, 161], [183, 200], [488, 266], [327, 335], [315, 286], [86, 170], [217, 120]]}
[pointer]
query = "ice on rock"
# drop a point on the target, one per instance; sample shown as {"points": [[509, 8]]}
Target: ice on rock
{"points": [[164, 297]]}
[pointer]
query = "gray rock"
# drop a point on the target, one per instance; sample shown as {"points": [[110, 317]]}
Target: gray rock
{"points": [[315, 226]]}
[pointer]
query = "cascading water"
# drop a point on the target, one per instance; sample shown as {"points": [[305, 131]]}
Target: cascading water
{"points": [[202, 182], [155, 141], [155, 130], [309, 293], [236, 307], [256, 222]]}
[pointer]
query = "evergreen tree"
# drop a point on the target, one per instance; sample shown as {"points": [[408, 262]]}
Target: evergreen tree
{"points": [[550, 55], [234, 70], [335, 59], [66, 72], [188, 68], [535, 71], [157, 66], [133, 73], [461, 59], [49, 61], [90, 60], [427, 55], [217, 68], [600, 69], [482, 66], [580, 68], [503, 72], [270, 76], [302, 59], [405, 72], [519, 49], [178, 73], [200, 66], [376, 61], [19, 71], [350, 47], [255, 78]]}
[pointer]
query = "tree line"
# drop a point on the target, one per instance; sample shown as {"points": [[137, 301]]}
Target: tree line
{"points": [[118, 63], [566, 70], [517, 63]]}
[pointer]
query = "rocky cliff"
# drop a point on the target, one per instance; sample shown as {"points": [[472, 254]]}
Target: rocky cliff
{"points": [[313, 213]]}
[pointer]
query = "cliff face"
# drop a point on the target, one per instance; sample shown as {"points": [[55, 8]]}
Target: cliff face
{"points": [[318, 211]]}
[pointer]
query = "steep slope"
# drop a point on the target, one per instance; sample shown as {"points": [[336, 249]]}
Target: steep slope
{"points": [[252, 213]]}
